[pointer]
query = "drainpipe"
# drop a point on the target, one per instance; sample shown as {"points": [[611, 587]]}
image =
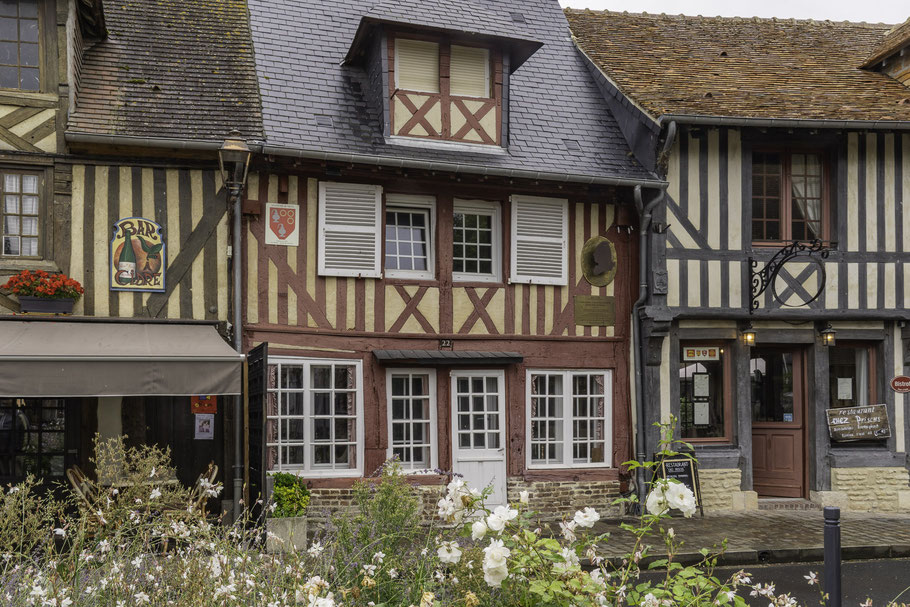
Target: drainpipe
{"points": [[645, 216], [238, 345]]}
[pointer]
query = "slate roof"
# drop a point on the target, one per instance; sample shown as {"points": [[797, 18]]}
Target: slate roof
{"points": [[743, 68], [558, 120], [897, 38], [170, 68]]}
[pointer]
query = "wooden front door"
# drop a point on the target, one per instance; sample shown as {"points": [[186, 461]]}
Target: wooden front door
{"points": [[478, 423], [777, 379]]}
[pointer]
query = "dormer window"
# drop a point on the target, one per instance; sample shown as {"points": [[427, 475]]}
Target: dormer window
{"points": [[445, 91]]}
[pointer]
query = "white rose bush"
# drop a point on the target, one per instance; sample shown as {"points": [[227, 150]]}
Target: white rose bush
{"points": [[135, 546]]}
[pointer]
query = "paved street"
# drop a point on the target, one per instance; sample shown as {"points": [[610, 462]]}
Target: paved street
{"points": [[778, 536]]}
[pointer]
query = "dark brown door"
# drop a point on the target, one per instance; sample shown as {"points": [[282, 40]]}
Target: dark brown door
{"points": [[777, 378]]}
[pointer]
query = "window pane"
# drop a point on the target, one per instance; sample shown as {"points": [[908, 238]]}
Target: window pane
{"points": [[9, 29], [701, 391], [9, 8], [28, 8], [851, 376], [467, 256], [28, 30], [407, 243], [771, 382], [9, 77]]}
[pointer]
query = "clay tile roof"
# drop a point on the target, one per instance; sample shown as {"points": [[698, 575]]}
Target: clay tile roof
{"points": [[897, 38], [170, 68], [743, 68]]}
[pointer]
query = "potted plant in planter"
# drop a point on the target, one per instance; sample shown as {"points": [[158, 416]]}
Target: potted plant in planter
{"points": [[44, 293], [286, 523]]}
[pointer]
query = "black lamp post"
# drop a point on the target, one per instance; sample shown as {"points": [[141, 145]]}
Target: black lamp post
{"points": [[234, 160]]}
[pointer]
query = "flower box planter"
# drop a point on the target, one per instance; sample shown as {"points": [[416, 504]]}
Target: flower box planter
{"points": [[43, 305], [286, 534]]}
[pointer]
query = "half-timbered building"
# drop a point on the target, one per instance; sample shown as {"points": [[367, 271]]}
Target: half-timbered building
{"points": [[778, 291], [110, 135], [438, 257]]}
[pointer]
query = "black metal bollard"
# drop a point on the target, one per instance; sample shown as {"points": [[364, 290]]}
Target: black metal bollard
{"points": [[832, 556]]}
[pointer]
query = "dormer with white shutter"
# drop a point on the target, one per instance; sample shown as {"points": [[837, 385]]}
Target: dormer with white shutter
{"points": [[444, 82]]}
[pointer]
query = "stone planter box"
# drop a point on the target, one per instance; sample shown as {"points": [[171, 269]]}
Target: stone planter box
{"points": [[286, 534], [42, 305]]}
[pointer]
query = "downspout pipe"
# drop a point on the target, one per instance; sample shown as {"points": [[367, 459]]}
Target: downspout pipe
{"points": [[235, 194], [646, 215]]}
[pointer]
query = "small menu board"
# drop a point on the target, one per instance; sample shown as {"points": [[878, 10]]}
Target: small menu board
{"points": [[684, 470], [858, 423]]}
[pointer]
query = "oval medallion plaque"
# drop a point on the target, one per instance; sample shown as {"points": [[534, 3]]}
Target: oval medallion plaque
{"points": [[598, 261]]}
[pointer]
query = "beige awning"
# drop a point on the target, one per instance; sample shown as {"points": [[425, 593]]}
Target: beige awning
{"points": [[44, 359]]}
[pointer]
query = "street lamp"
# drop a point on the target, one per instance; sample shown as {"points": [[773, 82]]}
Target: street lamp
{"points": [[234, 160]]}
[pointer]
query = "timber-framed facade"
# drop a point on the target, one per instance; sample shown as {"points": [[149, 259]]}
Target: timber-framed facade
{"points": [[749, 372]]}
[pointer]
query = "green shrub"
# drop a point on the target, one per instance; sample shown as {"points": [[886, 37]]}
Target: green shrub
{"points": [[290, 497]]}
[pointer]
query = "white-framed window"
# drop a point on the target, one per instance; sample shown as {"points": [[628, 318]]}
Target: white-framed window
{"points": [[314, 416], [540, 237], [409, 230], [416, 65], [21, 213], [569, 418], [476, 241], [411, 398]]}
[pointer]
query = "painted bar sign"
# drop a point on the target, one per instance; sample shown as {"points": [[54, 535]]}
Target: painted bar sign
{"points": [[858, 423], [137, 256], [702, 353]]}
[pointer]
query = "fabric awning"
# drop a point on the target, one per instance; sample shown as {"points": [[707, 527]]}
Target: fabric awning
{"points": [[55, 359], [447, 357]]}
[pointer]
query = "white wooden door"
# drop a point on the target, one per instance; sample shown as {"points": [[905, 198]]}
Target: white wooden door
{"points": [[478, 430]]}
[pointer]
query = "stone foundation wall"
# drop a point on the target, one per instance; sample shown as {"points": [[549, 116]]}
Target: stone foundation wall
{"points": [[872, 489], [324, 502], [720, 490], [554, 499]]}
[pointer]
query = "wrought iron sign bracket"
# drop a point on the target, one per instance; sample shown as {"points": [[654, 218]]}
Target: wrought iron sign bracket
{"points": [[763, 280]]}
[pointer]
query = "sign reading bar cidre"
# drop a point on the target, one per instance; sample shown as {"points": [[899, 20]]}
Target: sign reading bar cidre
{"points": [[858, 423]]}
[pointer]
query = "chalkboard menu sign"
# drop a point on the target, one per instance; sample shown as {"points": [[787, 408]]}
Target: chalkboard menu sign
{"points": [[858, 423], [684, 470]]}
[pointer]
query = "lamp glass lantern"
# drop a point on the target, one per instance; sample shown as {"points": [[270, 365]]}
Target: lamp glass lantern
{"points": [[749, 336], [234, 160], [828, 334]]}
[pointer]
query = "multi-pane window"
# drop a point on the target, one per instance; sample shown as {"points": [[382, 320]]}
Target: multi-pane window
{"points": [[569, 418], [313, 416], [412, 419], [478, 410], [19, 51], [788, 196], [32, 439], [408, 236], [20, 214], [475, 241]]}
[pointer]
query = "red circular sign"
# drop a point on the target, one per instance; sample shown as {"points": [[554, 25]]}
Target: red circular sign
{"points": [[901, 383]]}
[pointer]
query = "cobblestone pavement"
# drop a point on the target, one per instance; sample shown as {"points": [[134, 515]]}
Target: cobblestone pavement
{"points": [[774, 536]]}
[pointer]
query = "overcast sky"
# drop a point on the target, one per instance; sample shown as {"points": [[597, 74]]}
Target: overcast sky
{"points": [[876, 11]]}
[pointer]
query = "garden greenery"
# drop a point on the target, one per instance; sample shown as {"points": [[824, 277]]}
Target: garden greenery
{"points": [[137, 541], [290, 496]]}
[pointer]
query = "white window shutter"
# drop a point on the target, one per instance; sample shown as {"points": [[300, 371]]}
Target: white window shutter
{"points": [[540, 240], [417, 65], [469, 71], [349, 225]]}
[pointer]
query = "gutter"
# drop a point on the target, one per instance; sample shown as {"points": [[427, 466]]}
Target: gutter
{"points": [[645, 215], [369, 159], [792, 123]]}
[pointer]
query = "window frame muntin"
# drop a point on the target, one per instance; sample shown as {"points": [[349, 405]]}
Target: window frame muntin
{"points": [[43, 15], [568, 433], [433, 421], [728, 352], [304, 471], [786, 211], [479, 207], [411, 202], [8, 261]]}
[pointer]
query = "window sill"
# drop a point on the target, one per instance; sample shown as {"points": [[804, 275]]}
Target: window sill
{"points": [[17, 264], [450, 146], [398, 275]]}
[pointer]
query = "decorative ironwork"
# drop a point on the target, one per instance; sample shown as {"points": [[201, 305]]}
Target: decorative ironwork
{"points": [[762, 279]]}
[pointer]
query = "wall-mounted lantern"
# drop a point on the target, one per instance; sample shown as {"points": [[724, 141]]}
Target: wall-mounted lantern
{"points": [[749, 335], [828, 334]]}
